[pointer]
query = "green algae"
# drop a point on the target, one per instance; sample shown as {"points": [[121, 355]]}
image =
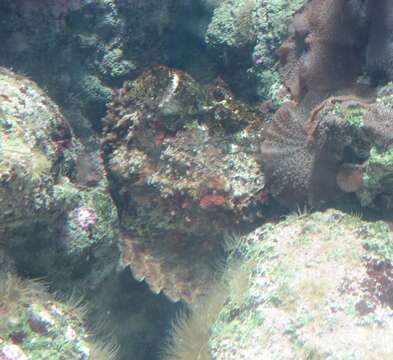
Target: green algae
{"points": [[273, 19], [275, 285], [377, 176], [45, 328]]}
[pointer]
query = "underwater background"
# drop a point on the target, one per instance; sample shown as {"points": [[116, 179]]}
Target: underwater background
{"points": [[196, 179]]}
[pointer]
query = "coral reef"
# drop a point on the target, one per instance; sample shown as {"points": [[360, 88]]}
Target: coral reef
{"points": [[180, 174], [33, 325], [126, 190], [318, 289]]}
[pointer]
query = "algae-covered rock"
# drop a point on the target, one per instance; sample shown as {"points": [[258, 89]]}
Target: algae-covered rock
{"points": [[377, 170], [36, 148], [357, 136], [54, 205], [34, 325], [272, 26], [92, 222], [339, 148], [80, 49], [232, 25], [318, 286], [182, 169], [245, 35], [377, 179]]}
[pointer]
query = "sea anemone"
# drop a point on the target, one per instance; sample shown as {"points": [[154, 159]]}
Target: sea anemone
{"points": [[190, 331]]}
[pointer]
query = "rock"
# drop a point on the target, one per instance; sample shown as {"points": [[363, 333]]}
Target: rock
{"points": [[49, 218], [36, 148], [244, 36], [35, 325], [79, 50], [319, 286]]}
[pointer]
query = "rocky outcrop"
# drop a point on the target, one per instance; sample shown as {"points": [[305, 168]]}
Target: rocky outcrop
{"points": [[314, 285], [33, 325], [47, 186], [243, 37], [79, 50]]}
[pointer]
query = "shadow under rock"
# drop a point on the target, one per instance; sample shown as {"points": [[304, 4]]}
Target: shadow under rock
{"points": [[138, 320]]}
